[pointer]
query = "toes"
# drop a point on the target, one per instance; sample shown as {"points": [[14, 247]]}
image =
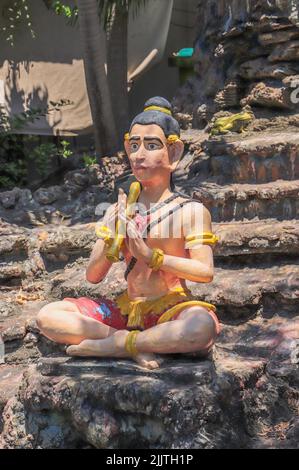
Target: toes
{"points": [[148, 364], [79, 351], [154, 365], [86, 348], [72, 351], [142, 363]]}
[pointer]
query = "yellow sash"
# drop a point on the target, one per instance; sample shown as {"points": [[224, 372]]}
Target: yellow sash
{"points": [[137, 309]]}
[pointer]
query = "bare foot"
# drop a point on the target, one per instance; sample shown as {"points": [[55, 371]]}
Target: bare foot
{"points": [[113, 346], [148, 360]]}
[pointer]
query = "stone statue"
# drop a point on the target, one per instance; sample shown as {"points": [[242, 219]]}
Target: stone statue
{"points": [[165, 238]]}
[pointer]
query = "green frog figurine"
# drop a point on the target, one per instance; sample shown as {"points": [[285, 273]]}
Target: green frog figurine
{"points": [[234, 123]]}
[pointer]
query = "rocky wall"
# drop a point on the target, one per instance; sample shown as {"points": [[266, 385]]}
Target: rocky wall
{"points": [[246, 54]]}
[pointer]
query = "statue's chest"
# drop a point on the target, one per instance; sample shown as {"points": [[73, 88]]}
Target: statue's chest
{"points": [[164, 234], [166, 228], [141, 221]]}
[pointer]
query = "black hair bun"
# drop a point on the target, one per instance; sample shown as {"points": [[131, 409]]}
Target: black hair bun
{"points": [[158, 101], [161, 117]]}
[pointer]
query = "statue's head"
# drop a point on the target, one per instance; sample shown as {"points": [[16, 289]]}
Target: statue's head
{"points": [[153, 143]]}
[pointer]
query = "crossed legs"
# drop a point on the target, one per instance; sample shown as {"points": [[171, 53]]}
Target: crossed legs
{"points": [[194, 330], [63, 323]]}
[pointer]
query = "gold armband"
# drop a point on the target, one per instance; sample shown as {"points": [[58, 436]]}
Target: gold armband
{"points": [[130, 344], [157, 259], [205, 238], [105, 234]]}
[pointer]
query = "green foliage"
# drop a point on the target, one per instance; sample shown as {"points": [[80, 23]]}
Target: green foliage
{"points": [[88, 160], [65, 151], [17, 151], [41, 155], [12, 172], [15, 13], [62, 9], [13, 167], [9, 125], [106, 9]]}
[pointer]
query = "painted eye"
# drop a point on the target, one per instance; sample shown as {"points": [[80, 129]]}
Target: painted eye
{"points": [[134, 147], [152, 146]]}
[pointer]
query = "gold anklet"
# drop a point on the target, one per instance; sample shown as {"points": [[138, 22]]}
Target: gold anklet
{"points": [[130, 344]]}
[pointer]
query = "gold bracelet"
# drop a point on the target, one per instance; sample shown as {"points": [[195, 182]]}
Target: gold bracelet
{"points": [[104, 233], [130, 344], [156, 259]]}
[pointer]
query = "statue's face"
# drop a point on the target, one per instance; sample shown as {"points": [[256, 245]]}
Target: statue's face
{"points": [[148, 152]]}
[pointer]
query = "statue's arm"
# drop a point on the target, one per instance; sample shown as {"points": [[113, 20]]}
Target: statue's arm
{"points": [[98, 265], [199, 266]]}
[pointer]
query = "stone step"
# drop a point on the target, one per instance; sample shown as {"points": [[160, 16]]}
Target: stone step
{"points": [[47, 239], [10, 273], [240, 237], [22, 342], [39, 251], [258, 336], [10, 380], [275, 200], [233, 384], [239, 292], [55, 248], [245, 292], [256, 237], [258, 158]]}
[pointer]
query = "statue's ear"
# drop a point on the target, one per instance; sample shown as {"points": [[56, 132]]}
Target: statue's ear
{"points": [[176, 151]]}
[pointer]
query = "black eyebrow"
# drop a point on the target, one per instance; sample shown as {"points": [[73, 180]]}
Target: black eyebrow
{"points": [[148, 138], [154, 138]]}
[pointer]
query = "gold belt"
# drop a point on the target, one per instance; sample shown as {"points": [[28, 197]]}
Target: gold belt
{"points": [[137, 309]]}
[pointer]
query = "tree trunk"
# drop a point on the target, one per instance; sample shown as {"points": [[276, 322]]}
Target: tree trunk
{"points": [[93, 40], [117, 67]]}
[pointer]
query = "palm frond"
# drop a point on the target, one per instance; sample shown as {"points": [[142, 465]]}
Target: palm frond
{"points": [[70, 12], [107, 8]]}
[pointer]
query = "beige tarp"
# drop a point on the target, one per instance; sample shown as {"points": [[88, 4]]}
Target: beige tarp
{"points": [[50, 68]]}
